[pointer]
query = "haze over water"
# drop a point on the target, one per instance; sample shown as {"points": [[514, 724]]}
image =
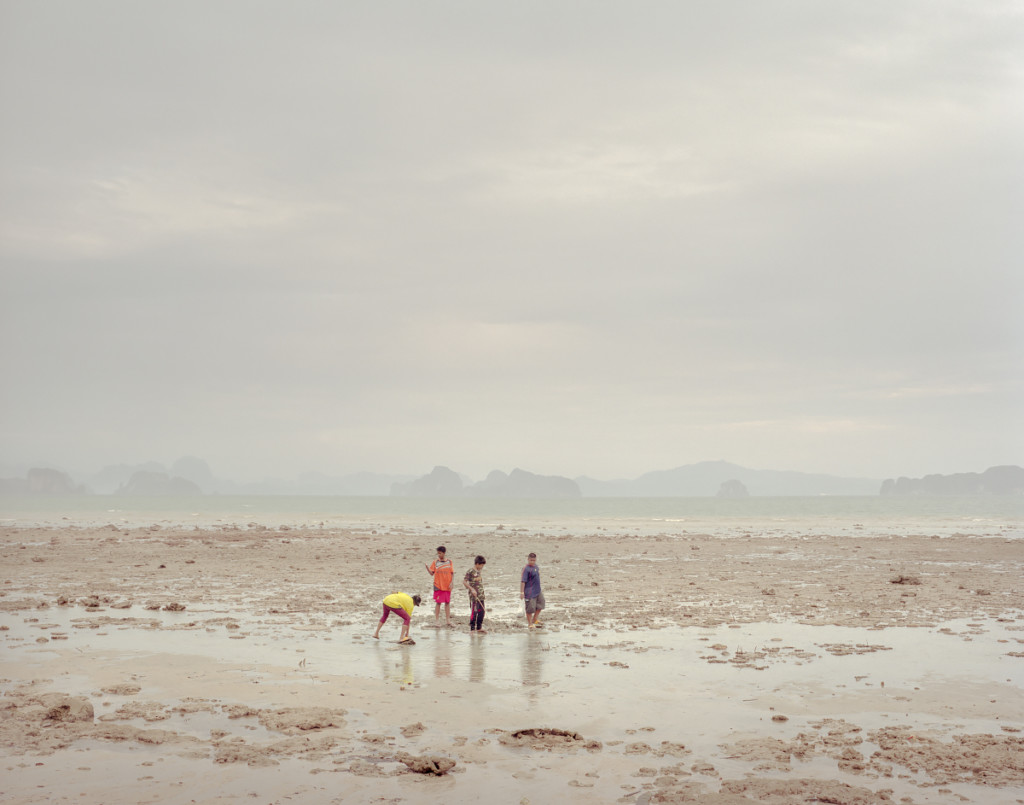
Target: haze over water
{"points": [[857, 516]]}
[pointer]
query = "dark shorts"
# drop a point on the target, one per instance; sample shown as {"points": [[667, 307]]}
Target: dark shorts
{"points": [[535, 604]]}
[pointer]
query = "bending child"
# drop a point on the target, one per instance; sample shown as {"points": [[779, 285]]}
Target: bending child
{"points": [[401, 605]]}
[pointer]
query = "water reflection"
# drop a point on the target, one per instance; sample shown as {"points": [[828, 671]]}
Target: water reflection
{"points": [[443, 654], [406, 666], [477, 659], [396, 664], [531, 663]]}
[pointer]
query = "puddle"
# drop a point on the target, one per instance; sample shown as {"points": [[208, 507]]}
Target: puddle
{"points": [[895, 655], [641, 668]]}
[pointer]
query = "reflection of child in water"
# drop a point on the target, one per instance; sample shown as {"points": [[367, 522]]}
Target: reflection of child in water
{"points": [[401, 605], [442, 569], [474, 583], [407, 675]]}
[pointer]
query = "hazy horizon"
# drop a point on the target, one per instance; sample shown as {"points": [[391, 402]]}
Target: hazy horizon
{"points": [[579, 239], [83, 475]]}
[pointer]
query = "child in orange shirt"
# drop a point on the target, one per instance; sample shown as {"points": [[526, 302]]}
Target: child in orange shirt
{"points": [[442, 570]]}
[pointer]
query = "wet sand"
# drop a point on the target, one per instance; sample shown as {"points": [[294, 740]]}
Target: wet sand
{"points": [[234, 663]]}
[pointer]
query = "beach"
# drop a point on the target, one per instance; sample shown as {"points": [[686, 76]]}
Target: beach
{"points": [[234, 662]]}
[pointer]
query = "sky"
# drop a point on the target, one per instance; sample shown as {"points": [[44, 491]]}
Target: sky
{"points": [[580, 238]]}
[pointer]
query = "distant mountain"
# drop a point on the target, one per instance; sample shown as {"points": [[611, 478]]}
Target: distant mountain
{"points": [[153, 484], [190, 475], [706, 478], [445, 483], [523, 484], [41, 481], [732, 489], [440, 482], [114, 476], [1005, 480], [197, 471], [115, 479]]}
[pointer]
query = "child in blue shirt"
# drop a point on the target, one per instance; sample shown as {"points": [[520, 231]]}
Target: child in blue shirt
{"points": [[529, 591]]}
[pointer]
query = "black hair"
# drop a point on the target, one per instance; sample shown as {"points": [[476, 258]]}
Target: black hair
{"points": [[479, 561], [442, 549], [416, 600], [532, 556]]}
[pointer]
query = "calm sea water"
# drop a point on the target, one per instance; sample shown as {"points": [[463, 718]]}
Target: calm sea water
{"points": [[874, 515]]}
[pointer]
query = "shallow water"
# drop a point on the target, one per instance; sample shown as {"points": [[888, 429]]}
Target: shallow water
{"points": [[780, 656], [621, 686]]}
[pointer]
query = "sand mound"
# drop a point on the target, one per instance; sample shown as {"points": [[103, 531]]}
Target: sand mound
{"points": [[546, 738], [428, 764], [60, 707]]}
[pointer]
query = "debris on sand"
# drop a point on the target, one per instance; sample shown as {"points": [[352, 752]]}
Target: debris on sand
{"points": [[799, 790], [124, 689], [427, 764], [902, 579], [980, 758], [296, 720]]}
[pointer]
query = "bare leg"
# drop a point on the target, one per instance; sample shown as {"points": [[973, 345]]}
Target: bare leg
{"points": [[447, 614], [437, 613]]}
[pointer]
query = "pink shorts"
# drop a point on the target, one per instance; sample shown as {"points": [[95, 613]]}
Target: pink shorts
{"points": [[443, 596], [397, 610]]}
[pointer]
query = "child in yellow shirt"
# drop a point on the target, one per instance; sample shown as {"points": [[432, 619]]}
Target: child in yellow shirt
{"points": [[401, 604]]}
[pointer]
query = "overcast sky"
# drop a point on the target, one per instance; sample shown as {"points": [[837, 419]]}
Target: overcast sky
{"points": [[579, 238]]}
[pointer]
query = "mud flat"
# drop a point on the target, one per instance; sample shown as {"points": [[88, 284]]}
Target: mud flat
{"points": [[164, 663]]}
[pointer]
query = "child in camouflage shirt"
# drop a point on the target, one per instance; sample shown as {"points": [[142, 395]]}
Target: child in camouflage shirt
{"points": [[474, 583]]}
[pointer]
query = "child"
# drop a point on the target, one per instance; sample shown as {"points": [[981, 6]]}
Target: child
{"points": [[401, 604], [529, 591], [442, 570], [475, 584]]}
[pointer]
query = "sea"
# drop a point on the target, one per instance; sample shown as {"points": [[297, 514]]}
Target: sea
{"points": [[988, 516]]}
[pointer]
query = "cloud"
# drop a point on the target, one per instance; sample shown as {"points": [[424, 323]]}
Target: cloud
{"points": [[574, 237]]}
